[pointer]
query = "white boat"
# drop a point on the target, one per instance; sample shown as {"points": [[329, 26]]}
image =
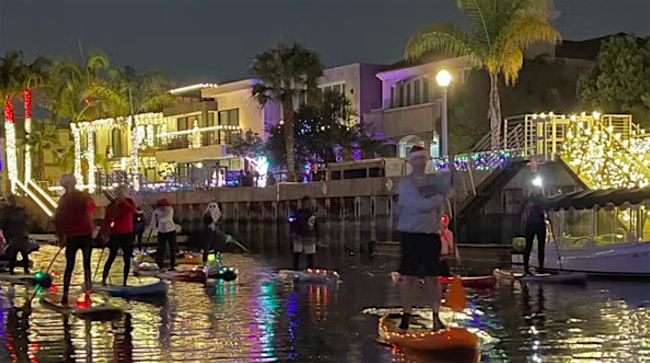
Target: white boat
{"points": [[599, 232]]}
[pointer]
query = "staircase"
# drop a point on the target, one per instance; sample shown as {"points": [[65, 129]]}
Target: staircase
{"points": [[126, 181]]}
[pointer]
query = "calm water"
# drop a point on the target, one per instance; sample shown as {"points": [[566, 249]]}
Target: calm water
{"points": [[261, 318]]}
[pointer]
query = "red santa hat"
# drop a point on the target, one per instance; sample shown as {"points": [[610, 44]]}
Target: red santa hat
{"points": [[417, 151]]}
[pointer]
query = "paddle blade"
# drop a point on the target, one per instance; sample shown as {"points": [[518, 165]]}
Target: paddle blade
{"points": [[456, 297]]}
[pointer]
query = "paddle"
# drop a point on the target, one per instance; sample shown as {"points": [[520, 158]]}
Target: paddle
{"points": [[47, 270], [456, 299]]}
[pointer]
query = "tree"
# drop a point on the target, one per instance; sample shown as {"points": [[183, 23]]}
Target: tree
{"points": [[43, 137], [284, 73], [619, 81], [250, 146], [12, 71], [500, 31], [34, 75]]}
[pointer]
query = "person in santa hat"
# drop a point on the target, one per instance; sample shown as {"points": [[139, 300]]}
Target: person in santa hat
{"points": [[421, 198]]}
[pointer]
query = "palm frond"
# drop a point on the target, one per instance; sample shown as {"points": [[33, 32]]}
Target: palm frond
{"points": [[439, 38]]}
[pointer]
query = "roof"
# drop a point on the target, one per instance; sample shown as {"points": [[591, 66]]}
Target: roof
{"points": [[590, 198]]}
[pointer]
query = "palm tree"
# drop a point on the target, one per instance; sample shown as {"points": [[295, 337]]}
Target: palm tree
{"points": [[34, 75], [11, 75], [283, 73], [500, 31]]}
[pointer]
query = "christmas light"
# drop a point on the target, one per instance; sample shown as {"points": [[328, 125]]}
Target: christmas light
{"points": [[27, 98], [76, 136], [90, 158], [10, 135]]}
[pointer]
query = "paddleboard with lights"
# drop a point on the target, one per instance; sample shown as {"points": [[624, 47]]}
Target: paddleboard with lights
{"points": [[147, 269], [182, 259], [219, 272], [561, 278], [474, 282], [153, 288], [423, 338], [96, 308], [39, 278], [317, 276]]}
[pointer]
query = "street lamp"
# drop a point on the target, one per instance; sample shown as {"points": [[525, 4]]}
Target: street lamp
{"points": [[443, 78]]}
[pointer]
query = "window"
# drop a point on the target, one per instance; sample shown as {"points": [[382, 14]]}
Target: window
{"points": [[116, 142], [410, 92], [337, 87], [228, 118], [187, 123]]}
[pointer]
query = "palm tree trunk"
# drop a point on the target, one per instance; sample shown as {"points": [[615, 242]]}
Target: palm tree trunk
{"points": [[287, 114], [10, 139], [494, 112]]}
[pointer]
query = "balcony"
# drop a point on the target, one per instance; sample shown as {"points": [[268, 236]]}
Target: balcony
{"points": [[403, 121], [196, 144]]}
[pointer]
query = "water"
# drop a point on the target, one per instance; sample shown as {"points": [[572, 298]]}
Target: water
{"points": [[261, 318]]}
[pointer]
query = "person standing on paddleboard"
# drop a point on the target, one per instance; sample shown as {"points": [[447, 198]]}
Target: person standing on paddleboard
{"points": [[163, 219], [13, 222], [214, 238], [138, 226], [421, 198], [74, 228], [118, 228], [534, 226], [303, 229], [448, 250]]}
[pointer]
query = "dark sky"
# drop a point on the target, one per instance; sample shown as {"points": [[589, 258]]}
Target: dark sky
{"points": [[214, 40]]}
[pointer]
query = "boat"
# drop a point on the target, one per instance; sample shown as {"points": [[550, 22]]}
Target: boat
{"points": [[41, 279], [601, 232], [474, 282], [317, 276], [423, 338], [563, 277], [93, 308], [158, 287]]}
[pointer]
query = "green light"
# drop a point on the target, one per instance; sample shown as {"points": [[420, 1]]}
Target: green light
{"points": [[39, 275], [212, 258]]}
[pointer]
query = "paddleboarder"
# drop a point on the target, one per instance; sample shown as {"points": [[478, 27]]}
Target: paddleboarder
{"points": [[138, 226], [420, 204], [303, 229], [74, 228], [214, 238], [448, 250], [535, 227], [163, 219], [118, 228], [13, 222]]}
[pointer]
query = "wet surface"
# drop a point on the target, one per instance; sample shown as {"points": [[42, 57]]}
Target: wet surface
{"points": [[262, 318]]}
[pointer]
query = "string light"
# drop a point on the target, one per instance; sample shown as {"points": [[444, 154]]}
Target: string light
{"points": [[76, 136], [27, 97], [10, 134]]}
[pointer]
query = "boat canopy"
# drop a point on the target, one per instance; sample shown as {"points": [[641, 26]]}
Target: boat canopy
{"points": [[589, 198]]}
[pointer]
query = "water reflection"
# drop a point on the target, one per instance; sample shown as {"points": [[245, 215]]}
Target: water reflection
{"points": [[262, 318]]}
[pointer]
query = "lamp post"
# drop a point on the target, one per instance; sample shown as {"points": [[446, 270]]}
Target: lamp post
{"points": [[443, 78]]}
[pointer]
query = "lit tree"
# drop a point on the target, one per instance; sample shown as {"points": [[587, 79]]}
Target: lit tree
{"points": [[284, 73], [11, 86], [500, 31]]}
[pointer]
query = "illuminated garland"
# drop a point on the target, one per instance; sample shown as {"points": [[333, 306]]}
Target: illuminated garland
{"points": [[10, 135], [90, 157], [76, 136], [28, 129], [477, 161]]}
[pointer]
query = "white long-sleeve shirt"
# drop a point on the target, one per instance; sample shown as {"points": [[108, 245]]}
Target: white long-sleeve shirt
{"points": [[163, 218], [417, 213]]}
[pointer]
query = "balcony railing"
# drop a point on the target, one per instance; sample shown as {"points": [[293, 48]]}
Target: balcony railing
{"points": [[199, 137]]}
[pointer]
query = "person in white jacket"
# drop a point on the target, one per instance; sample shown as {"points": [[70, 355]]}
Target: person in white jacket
{"points": [[421, 198], [163, 219]]}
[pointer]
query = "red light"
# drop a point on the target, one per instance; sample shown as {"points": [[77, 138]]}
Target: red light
{"points": [[444, 220], [88, 101], [28, 103], [9, 110], [83, 301]]}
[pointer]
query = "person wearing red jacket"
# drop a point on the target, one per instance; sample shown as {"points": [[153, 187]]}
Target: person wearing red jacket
{"points": [[118, 226], [74, 228]]}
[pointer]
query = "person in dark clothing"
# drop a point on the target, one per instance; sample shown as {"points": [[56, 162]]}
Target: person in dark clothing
{"points": [[214, 238], [534, 226], [13, 222], [138, 226], [118, 227], [303, 229], [74, 228]]}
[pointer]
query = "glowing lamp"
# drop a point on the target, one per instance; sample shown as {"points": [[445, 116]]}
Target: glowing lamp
{"points": [[443, 78], [292, 218], [212, 258], [83, 301], [596, 115], [538, 182]]}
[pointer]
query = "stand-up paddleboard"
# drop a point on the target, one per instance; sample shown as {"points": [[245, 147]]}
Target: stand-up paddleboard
{"points": [[419, 337], [4, 264], [96, 309], [39, 278], [184, 258], [146, 269], [317, 276], [474, 282], [155, 287], [218, 272], [561, 278]]}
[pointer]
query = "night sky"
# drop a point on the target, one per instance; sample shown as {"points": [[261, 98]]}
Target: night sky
{"points": [[214, 40]]}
